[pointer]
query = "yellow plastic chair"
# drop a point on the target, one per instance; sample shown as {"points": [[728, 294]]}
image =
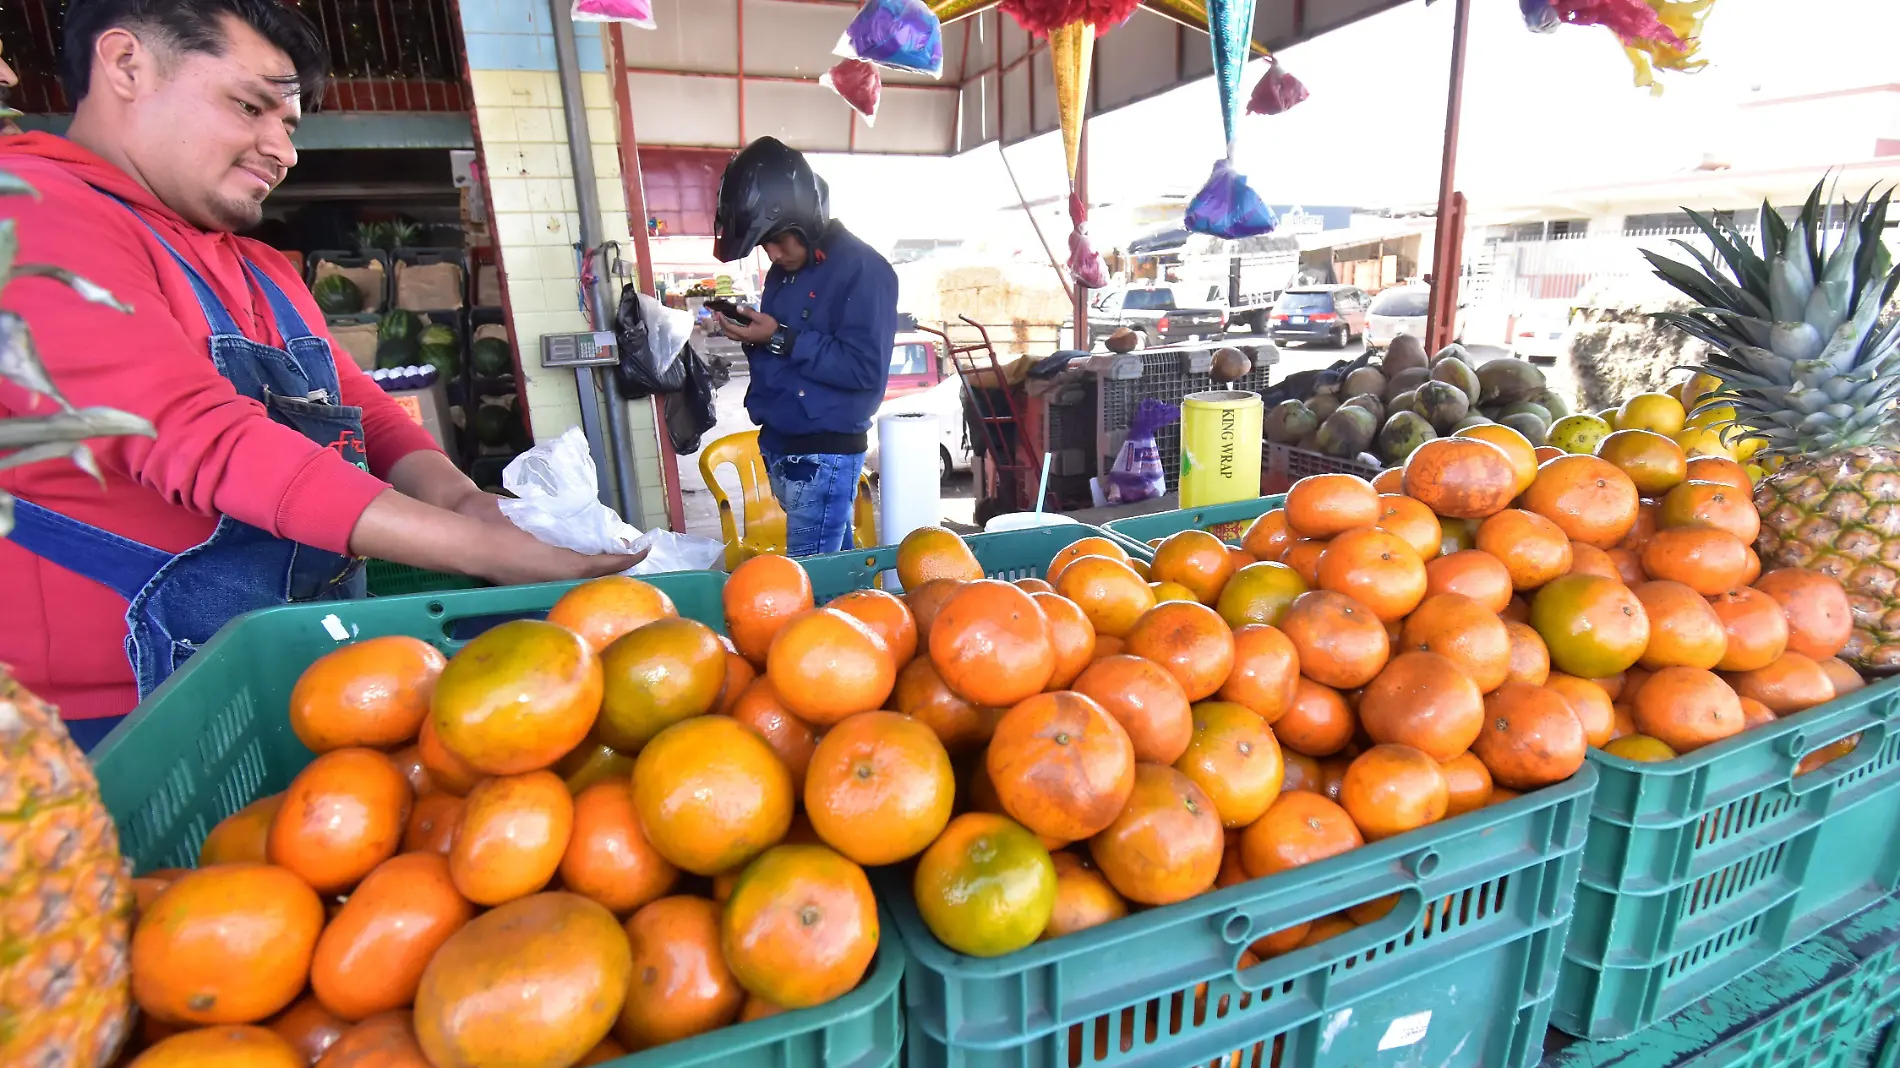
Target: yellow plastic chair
{"points": [[764, 527]]}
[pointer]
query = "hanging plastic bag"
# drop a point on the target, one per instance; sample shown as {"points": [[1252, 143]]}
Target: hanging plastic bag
{"points": [[859, 83], [557, 498], [651, 337], [1137, 474], [1227, 207], [632, 12], [690, 412], [1085, 264], [1539, 16], [1280, 90], [896, 33]]}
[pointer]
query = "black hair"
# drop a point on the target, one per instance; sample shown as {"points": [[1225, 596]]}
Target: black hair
{"points": [[193, 26]]}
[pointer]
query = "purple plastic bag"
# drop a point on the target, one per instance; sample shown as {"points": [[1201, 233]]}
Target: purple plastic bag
{"points": [[1228, 207], [896, 33], [859, 83], [1277, 91], [1085, 264], [1539, 16], [632, 12], [1137, 474]]}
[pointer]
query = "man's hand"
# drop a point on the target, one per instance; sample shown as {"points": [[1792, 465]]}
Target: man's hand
{"points": [[757, 332]]}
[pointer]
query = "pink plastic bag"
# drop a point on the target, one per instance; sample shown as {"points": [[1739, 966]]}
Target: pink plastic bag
{"points": [[1276, 92], [632, 12], [859, 83]]}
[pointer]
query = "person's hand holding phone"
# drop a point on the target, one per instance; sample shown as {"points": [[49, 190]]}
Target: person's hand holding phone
{"points": [[755, 328]]}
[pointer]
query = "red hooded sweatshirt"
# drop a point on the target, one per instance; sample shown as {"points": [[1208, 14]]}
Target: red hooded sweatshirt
{"points": [[216, 453]]}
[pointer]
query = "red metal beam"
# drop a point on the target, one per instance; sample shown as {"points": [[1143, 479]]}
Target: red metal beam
{"points": [[1448, 241], [777, 78], [740, 5]]}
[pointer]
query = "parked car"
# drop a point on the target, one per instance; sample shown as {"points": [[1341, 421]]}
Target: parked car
{"points": [[1543, 334], [1404, 310], [1332, 314], [922, 380], [1152, 312]]}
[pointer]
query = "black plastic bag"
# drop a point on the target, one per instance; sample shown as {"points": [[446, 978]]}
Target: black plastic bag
{"points": [[642, 371], [690, 412]]}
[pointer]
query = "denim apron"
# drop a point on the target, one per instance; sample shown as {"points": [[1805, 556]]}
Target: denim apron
{"points": [[176, 603]]}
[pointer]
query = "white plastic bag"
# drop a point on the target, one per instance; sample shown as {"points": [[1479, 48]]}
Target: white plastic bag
{"points": [[632, 12], [673, 551], [668, 331]]}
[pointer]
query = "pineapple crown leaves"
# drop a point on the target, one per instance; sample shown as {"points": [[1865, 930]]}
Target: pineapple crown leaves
{"points": [[27, 439]]}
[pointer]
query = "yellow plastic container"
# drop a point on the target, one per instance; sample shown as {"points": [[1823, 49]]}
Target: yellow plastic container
{"points": [[1220, 447]]}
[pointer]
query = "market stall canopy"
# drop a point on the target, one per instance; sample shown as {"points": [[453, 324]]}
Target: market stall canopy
{"points": [[718, 73]]}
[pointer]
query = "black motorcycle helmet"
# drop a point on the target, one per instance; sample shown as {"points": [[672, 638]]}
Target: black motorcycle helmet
{"points": [[767, 190]]}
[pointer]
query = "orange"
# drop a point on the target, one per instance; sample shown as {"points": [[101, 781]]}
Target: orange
{"points": [[344, 814], [682, 985], [1711, 504], [1266, 672], [1687, 708], [244, 835], [1707, 560], [1146, 700], [1071, 636], [986, 887], [711, 794], [408, 760], [1166, 844], [1084, 547], [925, 602], [1684, 631], [879, 788], [1477, 575], [791, 738], [1140, 567], [934, 553], [591, 762], [922, 695], [1268, 536], [655, 676], [1820, 620], [992, 645], [1648, 521], [514, 831], [222, 1047], [1532, 548], [1629, 565], [1641, 748], [1467, 784], [1235, 761], [1318, 723], [1194, 559], [224, 945], [1589, 499], [1302, 773], [1108, 591], [1061, 765], [606, 608], [1791, 684], [887, 617], [1465, 632], [1299, 828], [1753, 571], [1842, 674], [1259, 593], [1320, 506], [1464, 478], [1423, 701], [432, 824], [1531, 738], [447, 772], [1390, 480], [1172, 591], [826, 665], [1034, 585], [371, 956], [1517, 448], [1593, 626], [608, 856], [1548, 452], [1391, 789], [1460, 534], [760, 596], [310, 1028], [1654, 463], [517, 698], [1720, 469], [1412, 522], [1303, 557], [1084, 899], [1530, 657], [374, 693], [1377, 569], [1193, 643], [1341, 643], [1612, 684], [1327, 927], [1590, 560], [1590, 703], [801, 927]]}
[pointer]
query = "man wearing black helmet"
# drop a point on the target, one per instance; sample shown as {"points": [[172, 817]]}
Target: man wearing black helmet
{"points": [[819, 344]]}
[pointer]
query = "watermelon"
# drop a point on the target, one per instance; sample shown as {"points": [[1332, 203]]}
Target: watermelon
{"points": [[397, 352], [439, 347], [493, 358], [399, 324], [494, 424], [337, 295]]}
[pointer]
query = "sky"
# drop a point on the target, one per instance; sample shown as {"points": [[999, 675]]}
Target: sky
{"points": [[1555, 109]]}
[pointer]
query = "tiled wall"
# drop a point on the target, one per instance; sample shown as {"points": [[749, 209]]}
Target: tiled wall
{"points": [[518, 111]]}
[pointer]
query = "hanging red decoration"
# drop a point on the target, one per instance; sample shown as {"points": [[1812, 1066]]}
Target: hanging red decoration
{"points": [[1630, 20], [1040, 16]]}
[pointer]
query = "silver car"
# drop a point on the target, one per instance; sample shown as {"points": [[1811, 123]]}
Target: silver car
{"points": [[1403, 310]]}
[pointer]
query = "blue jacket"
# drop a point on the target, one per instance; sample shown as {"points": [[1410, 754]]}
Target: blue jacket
{"points": [[843, 305]]}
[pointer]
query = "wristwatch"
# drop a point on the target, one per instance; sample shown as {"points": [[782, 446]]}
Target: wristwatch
{"points": [[782, 341]]}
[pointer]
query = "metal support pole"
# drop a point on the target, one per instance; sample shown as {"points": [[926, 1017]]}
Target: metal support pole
{"points": [[1080, 293], [580, 146], [1446, 243]]}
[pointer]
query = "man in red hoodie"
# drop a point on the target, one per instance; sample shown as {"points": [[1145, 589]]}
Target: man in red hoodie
{"points": [[276, 466]]}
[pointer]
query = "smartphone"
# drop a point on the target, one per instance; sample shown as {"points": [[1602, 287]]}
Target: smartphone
{"points": [[730, 310]]}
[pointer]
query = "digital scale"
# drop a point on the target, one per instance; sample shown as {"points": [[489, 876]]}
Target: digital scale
{"points": [[591, 349]]}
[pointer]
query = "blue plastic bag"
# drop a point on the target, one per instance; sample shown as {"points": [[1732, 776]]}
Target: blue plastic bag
{"points": [[895, 33], [1228, 207]]}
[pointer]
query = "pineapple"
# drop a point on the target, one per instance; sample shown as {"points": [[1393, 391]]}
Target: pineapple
{"points": [[1811, 373], [65, 895]]}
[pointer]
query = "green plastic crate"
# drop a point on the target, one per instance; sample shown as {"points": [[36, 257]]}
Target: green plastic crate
{"points": [[1228, 522], [1460, 973], [1873, 938], [1702, 868], [388, 579], [215, 737]]}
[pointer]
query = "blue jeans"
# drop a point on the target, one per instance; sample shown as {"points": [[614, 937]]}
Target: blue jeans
{"points": [[817, 491], [88, 733]]}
